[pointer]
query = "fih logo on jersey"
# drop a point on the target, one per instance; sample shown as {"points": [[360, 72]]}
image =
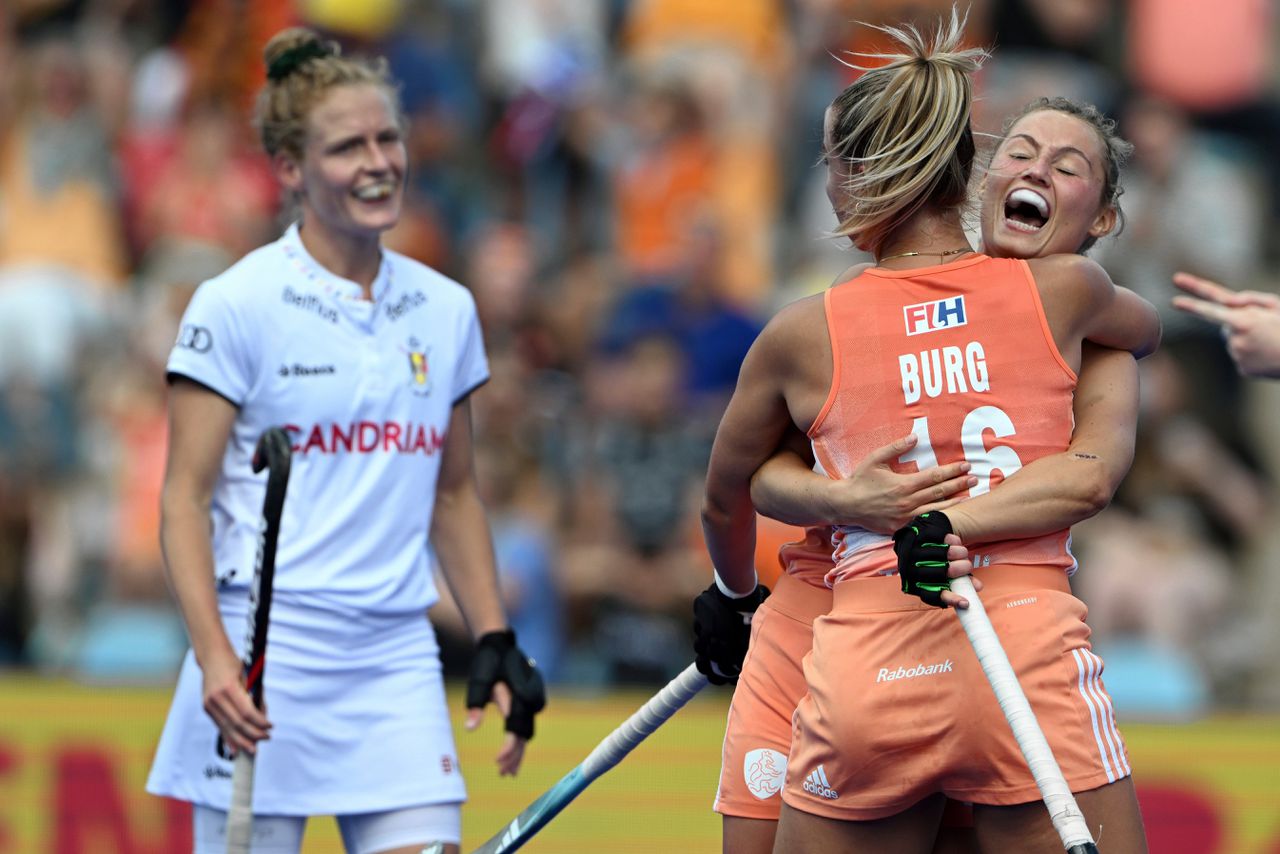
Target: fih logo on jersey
{"points": [[931, 316], [763, 770], [419, 368]]}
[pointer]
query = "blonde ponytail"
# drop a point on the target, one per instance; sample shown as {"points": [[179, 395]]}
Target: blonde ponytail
{"points": [[902, 129]]}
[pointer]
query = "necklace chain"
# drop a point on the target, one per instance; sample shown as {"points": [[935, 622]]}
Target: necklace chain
{"points": [[913, 254]]}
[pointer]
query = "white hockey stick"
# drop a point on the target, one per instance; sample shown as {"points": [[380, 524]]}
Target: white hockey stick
{"points": [[607, 754], [1066, 816]]}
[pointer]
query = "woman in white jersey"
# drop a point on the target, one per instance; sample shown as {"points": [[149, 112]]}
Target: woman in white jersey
{"points": [[1048, 494], [367, 359], [947, 345]]}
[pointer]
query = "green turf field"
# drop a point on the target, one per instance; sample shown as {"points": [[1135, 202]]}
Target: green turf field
{"points": [[73, 760]]}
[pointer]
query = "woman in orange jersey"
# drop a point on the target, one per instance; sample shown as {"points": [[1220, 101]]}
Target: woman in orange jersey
{"points": [[1050, 493], [976, 358]]}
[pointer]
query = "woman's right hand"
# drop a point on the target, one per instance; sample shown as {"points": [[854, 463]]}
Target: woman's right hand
{"points": [[881, 500], [226, 701]]}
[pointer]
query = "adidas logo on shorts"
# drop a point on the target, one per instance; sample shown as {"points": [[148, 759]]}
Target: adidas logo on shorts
{"points": [[816, 784]]}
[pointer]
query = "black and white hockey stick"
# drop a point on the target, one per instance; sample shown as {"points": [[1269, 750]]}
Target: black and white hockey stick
{"points": [[607, 754], [1063, 811], [272, 453]]}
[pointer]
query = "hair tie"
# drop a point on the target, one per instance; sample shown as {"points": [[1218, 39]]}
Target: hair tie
{"points": [[293, 58]]}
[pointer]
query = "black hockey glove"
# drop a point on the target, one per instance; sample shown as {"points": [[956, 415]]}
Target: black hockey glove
{"points": [[498, 659], [721, 631], [922, 556]]}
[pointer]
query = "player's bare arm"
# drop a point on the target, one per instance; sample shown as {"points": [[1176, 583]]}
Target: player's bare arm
{"points": [[754, 423], [877, 498], [1060, 490], [199, 426], [1081, 302], [464, 546], [460, 531]]}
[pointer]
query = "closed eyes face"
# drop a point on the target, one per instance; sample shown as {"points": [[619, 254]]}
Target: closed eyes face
{"points": [[1043, 192]]}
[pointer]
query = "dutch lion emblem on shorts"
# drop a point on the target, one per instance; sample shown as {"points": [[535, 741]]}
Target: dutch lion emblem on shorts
{"points": [[764, 771]]}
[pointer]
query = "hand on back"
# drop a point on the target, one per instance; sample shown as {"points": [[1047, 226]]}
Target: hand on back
{"points": [[882, 500]]}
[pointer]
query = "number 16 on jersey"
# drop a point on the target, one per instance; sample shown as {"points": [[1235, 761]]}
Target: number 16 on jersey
{"points": [[983, 459]]}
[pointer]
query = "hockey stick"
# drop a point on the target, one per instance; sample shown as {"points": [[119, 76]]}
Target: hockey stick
{"points": [[1066, 816], [273, 454], [607, 754]]}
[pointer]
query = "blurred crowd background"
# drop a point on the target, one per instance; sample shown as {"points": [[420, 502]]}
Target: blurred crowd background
{"points": [[630, 188]]}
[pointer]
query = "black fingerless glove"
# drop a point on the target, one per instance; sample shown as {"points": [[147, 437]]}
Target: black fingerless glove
{"points": [[721, 631], [922, 556], [498, 659]]}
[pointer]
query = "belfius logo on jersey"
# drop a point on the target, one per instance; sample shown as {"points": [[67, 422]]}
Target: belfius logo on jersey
{"points": [[935, 315], [419, 368]]}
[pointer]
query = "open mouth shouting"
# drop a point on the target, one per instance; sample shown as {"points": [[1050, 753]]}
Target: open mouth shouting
{"points": [[1026, 211]]}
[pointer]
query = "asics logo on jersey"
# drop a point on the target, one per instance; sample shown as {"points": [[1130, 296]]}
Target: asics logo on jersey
{"points": [[887, 675], [763, 770], [195, 338], [404, 305], [366, 437], [311, 303], [931, 316], [296, 370], [816, 784]]}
